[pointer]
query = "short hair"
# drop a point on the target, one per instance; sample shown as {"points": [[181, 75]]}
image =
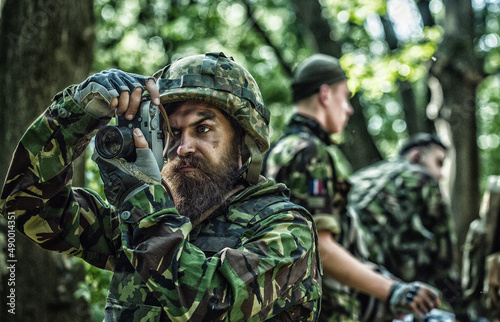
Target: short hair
{"points": [[313, 72], [421, 140]]}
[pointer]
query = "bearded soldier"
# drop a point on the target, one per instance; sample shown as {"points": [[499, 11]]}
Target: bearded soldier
{"points": [[215, 241]]}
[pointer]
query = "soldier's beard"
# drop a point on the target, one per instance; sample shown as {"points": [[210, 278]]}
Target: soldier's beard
{"points": [[195, 192]]}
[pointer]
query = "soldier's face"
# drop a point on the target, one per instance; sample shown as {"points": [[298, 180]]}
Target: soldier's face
{"points": [[203, 158], [433, 160], [339, 107], [200, 129]]}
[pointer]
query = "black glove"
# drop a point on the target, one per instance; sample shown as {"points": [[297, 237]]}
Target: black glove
{"points": [[102, 87], [406, 298], [123, 179]]}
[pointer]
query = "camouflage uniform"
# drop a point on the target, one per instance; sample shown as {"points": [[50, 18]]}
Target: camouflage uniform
{"points": [[257, 261], [400, 203], [303, 160]]}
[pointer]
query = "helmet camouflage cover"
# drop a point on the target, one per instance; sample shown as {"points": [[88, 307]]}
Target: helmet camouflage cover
{"points": [[220, 81]]}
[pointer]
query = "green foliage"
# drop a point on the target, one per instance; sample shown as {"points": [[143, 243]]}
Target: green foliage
{"points": [[143, 36], [94, 290], [375, 70], [489, 126]]}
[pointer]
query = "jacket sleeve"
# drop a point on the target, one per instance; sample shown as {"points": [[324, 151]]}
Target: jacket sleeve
{"points": [[274, 268], [38, 190], [439, 222]]}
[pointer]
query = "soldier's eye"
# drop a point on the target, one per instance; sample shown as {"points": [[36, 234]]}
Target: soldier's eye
{"points": [[203, 129]]}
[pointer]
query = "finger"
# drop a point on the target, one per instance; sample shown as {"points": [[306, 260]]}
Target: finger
{"points": [[423, 306], [114, 103], [420, 308], [139, 139], [429, 301], [154, 93], [123, 102], [425, 300], [430, 296], [437, 302], [134, 102]]}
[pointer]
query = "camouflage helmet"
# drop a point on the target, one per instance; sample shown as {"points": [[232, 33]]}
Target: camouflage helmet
{"points": [[220, 81]]}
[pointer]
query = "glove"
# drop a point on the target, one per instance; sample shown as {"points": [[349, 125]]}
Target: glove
{"points": [[123, 179], [94, 95], [415, 297]]}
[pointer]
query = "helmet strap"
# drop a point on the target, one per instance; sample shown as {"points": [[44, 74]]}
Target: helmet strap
{"points": [[254, 163], [168, 135]]}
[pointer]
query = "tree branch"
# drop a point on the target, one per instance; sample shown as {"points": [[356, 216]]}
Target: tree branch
{"points": [[250, 13]]}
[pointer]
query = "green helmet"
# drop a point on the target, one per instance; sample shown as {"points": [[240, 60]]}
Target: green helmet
{"points": [[220, 81]]}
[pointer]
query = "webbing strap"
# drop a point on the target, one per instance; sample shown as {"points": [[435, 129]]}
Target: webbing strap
{"points": [[252, 175], [210, 62]]}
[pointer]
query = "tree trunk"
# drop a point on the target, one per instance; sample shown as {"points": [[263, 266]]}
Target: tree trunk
{"points": [[309, 13], [358, 145], [459, 72], [415, 116], [44, 46]]}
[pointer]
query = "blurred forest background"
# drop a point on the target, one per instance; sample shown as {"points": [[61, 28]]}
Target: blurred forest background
{"points": [[413, 65]]}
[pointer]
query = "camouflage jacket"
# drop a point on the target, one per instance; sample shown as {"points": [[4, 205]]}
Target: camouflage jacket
{"points": [[257, 261], [302, 160], [401, 204]]}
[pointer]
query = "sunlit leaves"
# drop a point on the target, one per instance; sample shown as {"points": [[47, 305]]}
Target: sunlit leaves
{"points": [[374, 69], [489, 124], [376, 75]]}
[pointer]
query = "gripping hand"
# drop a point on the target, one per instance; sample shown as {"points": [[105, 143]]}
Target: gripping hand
{"points": [[415, 297], [96, 93], [124, 179]]}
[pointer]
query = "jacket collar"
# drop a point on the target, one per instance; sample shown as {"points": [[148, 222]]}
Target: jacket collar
{"points": [[299, 120]]}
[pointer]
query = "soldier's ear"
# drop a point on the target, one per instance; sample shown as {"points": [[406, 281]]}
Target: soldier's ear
{"points": [[414, 155], [323, 92]]}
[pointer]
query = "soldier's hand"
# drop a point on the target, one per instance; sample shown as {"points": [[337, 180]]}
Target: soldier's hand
{"points": [[415, 297], [108, 91], [124, 179]]}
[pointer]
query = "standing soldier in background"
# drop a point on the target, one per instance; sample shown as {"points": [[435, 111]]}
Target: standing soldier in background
{"points": [[400, 203], [301, 159]]}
